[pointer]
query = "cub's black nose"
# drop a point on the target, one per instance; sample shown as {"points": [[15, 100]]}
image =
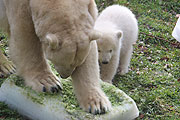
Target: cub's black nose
{"points": [[105, 62]]}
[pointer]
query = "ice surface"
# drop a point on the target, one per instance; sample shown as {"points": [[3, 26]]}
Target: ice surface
{"points": [[48, 107]]}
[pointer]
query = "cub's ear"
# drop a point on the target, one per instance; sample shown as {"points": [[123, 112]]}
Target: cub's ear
{"points": [[94, 35], [52, 41], [119, 34]]}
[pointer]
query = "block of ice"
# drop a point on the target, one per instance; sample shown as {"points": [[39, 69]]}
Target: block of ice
{"points": [[63, 106]]}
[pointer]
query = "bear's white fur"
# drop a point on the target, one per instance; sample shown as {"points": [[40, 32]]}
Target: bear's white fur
{"points": [[61, 31], [113, 22]]}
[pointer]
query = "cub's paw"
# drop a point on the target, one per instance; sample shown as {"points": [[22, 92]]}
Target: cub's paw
{"points": [[6, 68], [95, 102], [44, 82], [123, 71]]}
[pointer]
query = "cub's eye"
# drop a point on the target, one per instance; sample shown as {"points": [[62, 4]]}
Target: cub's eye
{"points": [[99, 51], [110, 51]]}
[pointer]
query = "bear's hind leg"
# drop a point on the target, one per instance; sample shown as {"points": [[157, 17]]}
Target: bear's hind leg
{"points": [[6, 66], [86, 81]]}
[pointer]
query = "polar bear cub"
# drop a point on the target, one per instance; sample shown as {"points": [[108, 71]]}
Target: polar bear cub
{"points": [[120, 30]]}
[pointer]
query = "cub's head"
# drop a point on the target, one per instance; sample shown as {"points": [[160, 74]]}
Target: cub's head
{"points": [[108, 45], [67, 52]]}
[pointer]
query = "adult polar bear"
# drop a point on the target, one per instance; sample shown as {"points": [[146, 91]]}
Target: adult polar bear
{"points": [[61, 31]]}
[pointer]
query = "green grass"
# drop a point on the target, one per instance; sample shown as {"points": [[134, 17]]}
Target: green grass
{"points": [[153, 81], [154, 77]]}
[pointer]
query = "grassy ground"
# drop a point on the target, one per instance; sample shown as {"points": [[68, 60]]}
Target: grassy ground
{"points": [[154, 77]]}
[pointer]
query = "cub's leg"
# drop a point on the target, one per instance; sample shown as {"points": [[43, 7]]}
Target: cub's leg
{"points": [[6, 67], [109, 70], [86, 81], [26, 50], [125, 57]]}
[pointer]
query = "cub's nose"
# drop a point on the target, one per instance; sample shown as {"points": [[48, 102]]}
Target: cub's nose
{"points": [[105, 62]]}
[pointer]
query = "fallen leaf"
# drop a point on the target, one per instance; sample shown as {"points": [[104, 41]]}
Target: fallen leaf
{"points": [[141, 116], [164, 58]]}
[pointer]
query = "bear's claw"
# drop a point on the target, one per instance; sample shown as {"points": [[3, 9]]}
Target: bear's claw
{"points": [[44, 82], [44, 89], [54, 90], [51, 86], [1, 75], [7, 68], [59, 87], [96, 103], [94, 109]]}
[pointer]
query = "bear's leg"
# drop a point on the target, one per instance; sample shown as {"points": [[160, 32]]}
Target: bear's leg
{"points": [[6, 67], [86, 81], [26, 53], [109, 70], [26, 50], [125, 57]]}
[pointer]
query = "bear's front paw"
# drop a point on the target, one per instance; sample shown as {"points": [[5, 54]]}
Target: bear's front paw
{"points": [[96, 102], [46, 82]]}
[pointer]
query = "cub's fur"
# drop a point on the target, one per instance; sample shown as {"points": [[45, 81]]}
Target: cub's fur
{"points": [[120, 30]]}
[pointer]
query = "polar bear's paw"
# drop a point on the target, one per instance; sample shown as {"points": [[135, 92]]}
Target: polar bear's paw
{"points": [[6, 68], [46, 82], [96, 102]]}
